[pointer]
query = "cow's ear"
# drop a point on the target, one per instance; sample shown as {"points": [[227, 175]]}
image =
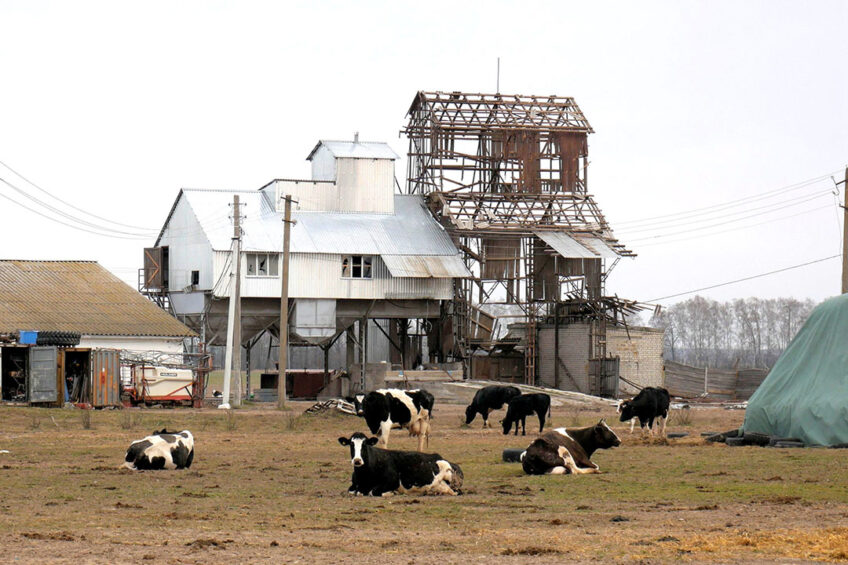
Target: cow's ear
{"points": [[344, 441], [372, 441]]}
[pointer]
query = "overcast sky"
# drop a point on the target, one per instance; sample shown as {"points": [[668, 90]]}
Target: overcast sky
{"points": [[701, 109]]}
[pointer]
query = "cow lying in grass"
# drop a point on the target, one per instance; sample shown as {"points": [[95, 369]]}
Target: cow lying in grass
{"points": [[567, 451], [161, 450], [381, 472]]}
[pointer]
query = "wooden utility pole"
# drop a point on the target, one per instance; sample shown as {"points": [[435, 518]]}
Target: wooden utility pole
{"points": [[234, 314], [284, 308], [845, 233]]}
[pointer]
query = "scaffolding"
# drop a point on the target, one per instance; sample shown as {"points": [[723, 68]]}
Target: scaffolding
{"points": [[507, 176]]}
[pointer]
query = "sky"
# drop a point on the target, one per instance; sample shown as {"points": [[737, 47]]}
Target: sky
{"points": [[718, 125]]}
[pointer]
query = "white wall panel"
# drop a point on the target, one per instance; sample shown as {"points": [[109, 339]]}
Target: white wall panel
{"points": [[189, 249]]}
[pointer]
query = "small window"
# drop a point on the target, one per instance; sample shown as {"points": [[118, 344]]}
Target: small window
{"points": [[263, 264], [357, 266], [195, 278]]}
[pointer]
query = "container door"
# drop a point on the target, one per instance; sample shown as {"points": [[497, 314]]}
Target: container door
{"points": [[105, 378], [43, 382]]}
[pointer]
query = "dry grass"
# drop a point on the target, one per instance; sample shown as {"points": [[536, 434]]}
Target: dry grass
{"points": [[272, 488]]}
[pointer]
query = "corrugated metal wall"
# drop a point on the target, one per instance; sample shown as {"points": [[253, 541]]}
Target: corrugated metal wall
{"points": [[189, 249], [318, 275], [105, 378]]}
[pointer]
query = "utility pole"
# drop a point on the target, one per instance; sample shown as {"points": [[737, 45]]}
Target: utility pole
{"points": [[234, 316], [845, 233], [284, 307]]}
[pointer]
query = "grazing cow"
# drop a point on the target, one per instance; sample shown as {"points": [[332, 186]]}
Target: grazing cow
{"points": [[562, 451], [487, 400], [381, 472], [387, 408], [162, 450], [522, 406], [650, 403]]}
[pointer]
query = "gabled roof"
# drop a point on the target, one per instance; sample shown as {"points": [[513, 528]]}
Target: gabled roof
{"points": [[77, 296], [411, 230], [355, 149]]}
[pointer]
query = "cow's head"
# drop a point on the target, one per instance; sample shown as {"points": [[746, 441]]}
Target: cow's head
{"points": [[356, 443], [604, 436], [626, 411], [470, 414], [356, 400]]}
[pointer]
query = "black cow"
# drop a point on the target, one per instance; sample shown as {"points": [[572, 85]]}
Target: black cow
{"points": [[650, 403], [387, 408], [562, 451], [522, 406], [161, 450], [381, 472], [489, 399]]}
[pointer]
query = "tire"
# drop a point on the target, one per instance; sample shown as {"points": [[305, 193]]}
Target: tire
{"points": [[787, 444], [511, 455], [756, 438], [673, 435]]}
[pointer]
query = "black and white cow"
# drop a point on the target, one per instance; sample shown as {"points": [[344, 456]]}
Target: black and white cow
{"points": [[568, 451], [381, 472], [650, 403], [522, 406], [487, 400], [392, 407], [162, 450]]}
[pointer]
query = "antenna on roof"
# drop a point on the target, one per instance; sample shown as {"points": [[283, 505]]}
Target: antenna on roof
{"points": [[356, 137], [498, 85]]}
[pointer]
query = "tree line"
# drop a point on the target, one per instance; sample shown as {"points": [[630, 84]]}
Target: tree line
{"points": [[741, 333]]}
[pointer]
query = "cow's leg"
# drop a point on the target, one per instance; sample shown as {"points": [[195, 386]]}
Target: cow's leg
{"points": [[632, 424], [385, 426], [651, 425], [570, 464], [664, 421], [560, 470], [486, 417], [524, 426], [541, 421]]}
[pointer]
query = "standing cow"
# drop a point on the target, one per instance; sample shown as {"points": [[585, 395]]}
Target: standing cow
{"points": [[650, 403], [522, 406], [161, 450], [568, 451], [387, 408], [381, 472], [489, 399]]}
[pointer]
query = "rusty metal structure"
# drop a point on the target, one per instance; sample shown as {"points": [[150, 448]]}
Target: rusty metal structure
{"points": [[507, 177]]}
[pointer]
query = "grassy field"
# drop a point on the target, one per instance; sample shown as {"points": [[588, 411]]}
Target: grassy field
{"points": [[270, 485]]}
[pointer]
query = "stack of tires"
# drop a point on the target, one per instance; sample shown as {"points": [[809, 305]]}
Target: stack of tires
{"points": [[62, 339]]}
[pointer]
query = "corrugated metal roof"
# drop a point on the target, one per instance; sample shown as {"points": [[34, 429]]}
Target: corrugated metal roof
{"points": [[78, 296], [565, 245], [356, 149], [577, 246], [426, 266], [411, 230]]}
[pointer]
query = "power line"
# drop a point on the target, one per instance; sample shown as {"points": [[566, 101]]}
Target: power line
{"points": [[71, 205], [70, 216], [744, 279], [727, 222], [64, 223], [766, 209], [730, 203]]}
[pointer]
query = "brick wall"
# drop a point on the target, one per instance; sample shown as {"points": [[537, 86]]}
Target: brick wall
{"points": [[641, 356]]}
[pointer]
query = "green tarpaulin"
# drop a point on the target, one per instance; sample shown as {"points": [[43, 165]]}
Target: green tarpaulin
{"points": [[805, 395]]}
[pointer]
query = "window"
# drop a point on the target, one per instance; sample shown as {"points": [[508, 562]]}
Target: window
{"points": [[195, 278], [356, 266], [263, 264]]}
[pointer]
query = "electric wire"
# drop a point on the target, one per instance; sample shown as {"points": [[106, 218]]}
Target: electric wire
{"points": [[71, 205], [71, 217], [729, 203], [744, 279]]}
